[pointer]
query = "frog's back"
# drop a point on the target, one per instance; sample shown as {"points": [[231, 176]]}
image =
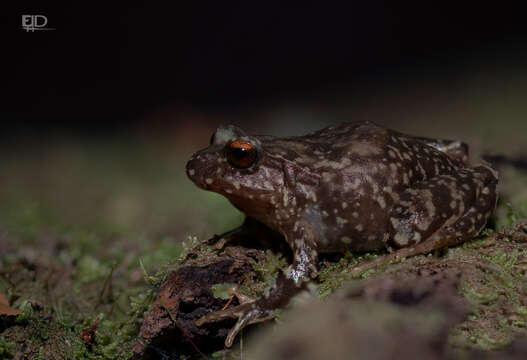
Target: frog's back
{"points": [[366, 148], [362, 169], [333, 148]]}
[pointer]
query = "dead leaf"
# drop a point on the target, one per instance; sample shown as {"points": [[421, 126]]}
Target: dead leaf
{"points": [[5, 309]]}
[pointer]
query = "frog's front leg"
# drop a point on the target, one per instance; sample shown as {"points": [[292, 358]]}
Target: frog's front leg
{"points": [[287, 285], [441, 212]]}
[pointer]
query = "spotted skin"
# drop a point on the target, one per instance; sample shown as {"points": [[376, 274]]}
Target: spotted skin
{"points": [[355, 186]]}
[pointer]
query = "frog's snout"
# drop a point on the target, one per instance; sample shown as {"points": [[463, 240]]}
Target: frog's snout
{"points": [[191, 169], [197, 172]]}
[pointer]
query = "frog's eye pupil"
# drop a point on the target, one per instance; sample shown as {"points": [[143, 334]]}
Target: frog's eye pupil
{"points": [[212, 139], [241, 154]]}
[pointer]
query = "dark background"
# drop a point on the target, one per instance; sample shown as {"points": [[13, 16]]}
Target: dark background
{"points": [[106, 68]]}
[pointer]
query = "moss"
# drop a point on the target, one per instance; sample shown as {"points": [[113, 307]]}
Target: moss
{"points": [[267, 271], [7, 348], [334, 274], [102, 251]]}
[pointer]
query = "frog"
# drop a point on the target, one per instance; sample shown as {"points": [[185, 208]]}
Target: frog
{"points": [[356, 187]]}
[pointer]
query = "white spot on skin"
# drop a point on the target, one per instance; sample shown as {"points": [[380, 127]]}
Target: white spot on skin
{"points": [[374, 186], [485, 191], [228, 191], [327, 177], [333, 164], [299, 243], [355, 214], [359, 227], [285, 198], [381, 201], [400, 239], [191, 172], [453, 204], [355, 184], [344, 205], [364, 149], [208, 181], [341, 222], [236, 184], [405, 179], [345, 240]]}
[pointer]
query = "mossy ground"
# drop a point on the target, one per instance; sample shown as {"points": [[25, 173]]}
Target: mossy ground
{"points": [[85, 227]]}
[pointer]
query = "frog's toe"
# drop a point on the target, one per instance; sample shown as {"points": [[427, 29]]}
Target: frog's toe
{"points": [[249, 313], [231, 313]]}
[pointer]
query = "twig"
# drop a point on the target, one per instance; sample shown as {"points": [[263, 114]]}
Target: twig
{"points": [[233, 295], [107, 282]]}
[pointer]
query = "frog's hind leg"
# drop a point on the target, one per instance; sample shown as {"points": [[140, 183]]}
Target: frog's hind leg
{"points": [[442, 212]]}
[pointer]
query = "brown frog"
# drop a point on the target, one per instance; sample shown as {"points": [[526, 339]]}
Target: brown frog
{"points": [[355, 186]]}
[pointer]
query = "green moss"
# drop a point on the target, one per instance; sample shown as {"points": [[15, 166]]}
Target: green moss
{"points": [[333, 275], [267, 269], [110, 221], [7, 348], [223, 291]]}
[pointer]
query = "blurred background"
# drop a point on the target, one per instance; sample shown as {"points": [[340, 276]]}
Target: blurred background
{"points": [[100, 114]]}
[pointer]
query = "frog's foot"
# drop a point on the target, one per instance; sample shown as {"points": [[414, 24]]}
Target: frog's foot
{"points": [[392, 258], [247, 314]]}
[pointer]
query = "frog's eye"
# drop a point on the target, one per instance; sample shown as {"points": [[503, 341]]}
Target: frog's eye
{"points": [[241, 154]]}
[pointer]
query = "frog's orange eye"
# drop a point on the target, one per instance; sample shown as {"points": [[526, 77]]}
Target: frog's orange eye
{"points": [[241, 154]]}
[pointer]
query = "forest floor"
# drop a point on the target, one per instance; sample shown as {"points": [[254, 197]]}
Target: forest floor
{"points": [[89, 232]]}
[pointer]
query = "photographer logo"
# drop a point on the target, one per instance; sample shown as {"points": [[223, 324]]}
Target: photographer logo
{"points": [[35, 22]]}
